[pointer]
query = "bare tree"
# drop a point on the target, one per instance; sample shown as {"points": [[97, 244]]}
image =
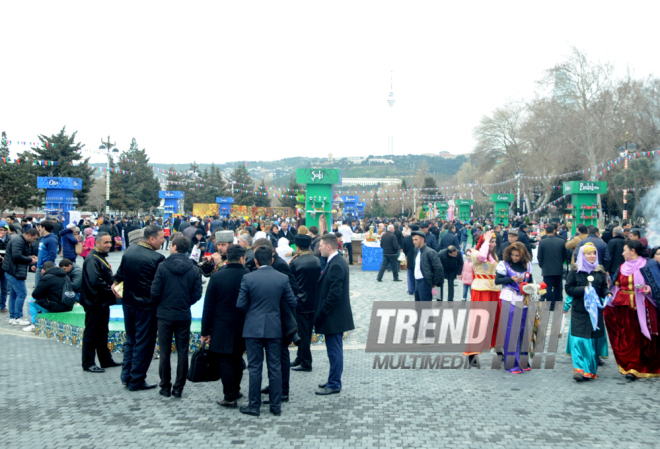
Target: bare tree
{"points": [[96, 199]]}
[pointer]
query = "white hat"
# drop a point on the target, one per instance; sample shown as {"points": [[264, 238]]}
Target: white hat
{"points": [[71, 226], [194, 220]]}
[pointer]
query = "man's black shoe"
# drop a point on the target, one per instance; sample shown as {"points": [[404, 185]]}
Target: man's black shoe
{"points": [[94, 369], [165, 393], [265, 390], [295, 363], [398, 280], [112, 365], [227, 403], [323, 385], [296, 339], [144, 386], [246, 411], [177, 393], [326, 391], [379, 280], [285, 398], [301, 368], [275, 413]]}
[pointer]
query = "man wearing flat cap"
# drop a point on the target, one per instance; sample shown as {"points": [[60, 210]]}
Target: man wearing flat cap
{"points": [[307, 269], [429, 239], [512, 237]]}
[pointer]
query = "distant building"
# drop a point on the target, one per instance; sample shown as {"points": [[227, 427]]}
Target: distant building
{"points": [[369, 181], [381, 161], [442, 154], [355, 160]]}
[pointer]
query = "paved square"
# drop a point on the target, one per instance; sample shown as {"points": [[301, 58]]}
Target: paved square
{"points": [[47, 401]]}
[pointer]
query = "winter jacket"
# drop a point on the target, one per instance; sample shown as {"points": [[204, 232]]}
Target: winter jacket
{"points": [[431, 266], [408, 248], [467, 274], [615, 248], [76, 275], [551, 255], [48, 292], [3, 249], [97, 280], [389, 243], [176, 286], [17, 257], [464, 234], [88, 246], [573, 243], [69, 242], [307, 271], [449, 239], [451, 266], [580, 320], [431, 241], [137, 270], [48, 247]]}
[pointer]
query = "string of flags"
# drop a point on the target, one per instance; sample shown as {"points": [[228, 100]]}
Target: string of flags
{"points": [[26, 143], [550, 204]]}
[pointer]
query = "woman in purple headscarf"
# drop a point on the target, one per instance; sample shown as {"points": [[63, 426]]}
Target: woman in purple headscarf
{"points": [[631, 318], [586, 284]]}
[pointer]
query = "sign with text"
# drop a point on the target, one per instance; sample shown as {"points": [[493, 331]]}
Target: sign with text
{"points": [[171, 194], [318, 176], [585, 187], [59, 183]]}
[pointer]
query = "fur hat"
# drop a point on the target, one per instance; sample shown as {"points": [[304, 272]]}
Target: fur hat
{"points": [[224, 237], [303, 240], [133, 236]]}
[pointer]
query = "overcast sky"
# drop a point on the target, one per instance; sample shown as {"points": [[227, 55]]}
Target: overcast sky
{"points": [[226, 81]]}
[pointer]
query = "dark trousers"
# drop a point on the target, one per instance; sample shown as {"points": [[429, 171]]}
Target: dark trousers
{"points": [[285, 358], [95, 338], [389, 259], [411, 280], [349, 247], [450, 288], [305, 327], [141, 326], [255, 352], [554, 289], [231, 374], [181, 332], [335, 348], [422, 291]]}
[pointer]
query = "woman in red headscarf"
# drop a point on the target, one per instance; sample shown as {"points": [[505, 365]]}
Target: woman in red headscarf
{"points": [[484, 263]]}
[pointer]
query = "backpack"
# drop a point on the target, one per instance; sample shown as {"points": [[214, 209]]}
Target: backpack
{"points": [[68, 295]]}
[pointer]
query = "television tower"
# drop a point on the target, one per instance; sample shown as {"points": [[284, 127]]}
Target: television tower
{"points": [[390, 101]]}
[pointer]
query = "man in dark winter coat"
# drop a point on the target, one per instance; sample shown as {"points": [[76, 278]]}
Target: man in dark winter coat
{"points": [[306, 268], [96, 298], [137, 270], [48, 294], [604, 257], [428, 268], [333, 311], [430, 239], [551, 255], [408, 248], [390, 245], [222, 323], [452, 265], [615, 248], [15, 265], [524, 238], [69, 242], [449, 239], [176, 287]]}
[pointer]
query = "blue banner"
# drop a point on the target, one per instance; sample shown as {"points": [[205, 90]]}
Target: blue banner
{"points": [[59, 183], [171, 194]]}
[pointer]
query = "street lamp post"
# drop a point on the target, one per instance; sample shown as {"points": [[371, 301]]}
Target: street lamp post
{"points": [[518, 174], [111, 148]]}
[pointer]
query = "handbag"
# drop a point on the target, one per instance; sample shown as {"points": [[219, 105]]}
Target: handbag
{"points": [[79, 248], [204, 366]]}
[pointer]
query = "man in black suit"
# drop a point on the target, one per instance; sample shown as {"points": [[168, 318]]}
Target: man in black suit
{"points": [[408, 248], [222, 323], [552, 255], [390, 245], [333, 311], [259, 297], [452, 265], [285, 232], [306, 268]]}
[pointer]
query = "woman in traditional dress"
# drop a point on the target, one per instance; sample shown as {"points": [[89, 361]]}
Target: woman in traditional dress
{"points": [[631, 317], [484, 261], [514, 269], [585, 338]]}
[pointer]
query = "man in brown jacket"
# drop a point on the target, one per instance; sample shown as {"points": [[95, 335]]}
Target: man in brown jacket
{"points": [[572, 244]]}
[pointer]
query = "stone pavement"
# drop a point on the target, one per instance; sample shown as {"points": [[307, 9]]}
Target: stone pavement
{"points": [[47, 401]]}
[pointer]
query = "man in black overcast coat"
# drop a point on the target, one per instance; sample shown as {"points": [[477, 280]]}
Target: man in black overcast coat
{"points": [[551, 255], [390, 245], [222, 323], [333, 311]]}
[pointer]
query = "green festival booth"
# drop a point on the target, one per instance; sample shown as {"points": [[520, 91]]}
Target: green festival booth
{"points": [[501, 202], [463, 209], [584, 201]]}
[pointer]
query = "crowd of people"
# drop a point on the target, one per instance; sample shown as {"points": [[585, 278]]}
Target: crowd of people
{"points": [[273, 282]]}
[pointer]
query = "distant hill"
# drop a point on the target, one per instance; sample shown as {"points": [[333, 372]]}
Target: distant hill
{"points": [[279, 172]]}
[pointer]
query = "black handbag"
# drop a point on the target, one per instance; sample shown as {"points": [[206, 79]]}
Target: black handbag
{"points": [[204, 366]]}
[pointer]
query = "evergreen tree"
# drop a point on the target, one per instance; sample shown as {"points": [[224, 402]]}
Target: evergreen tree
{"points": [[18, 186], [263, 198], [291, 202], [214, 185], [137, 191], [70, 162], [429, 183], [241, 176]]}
